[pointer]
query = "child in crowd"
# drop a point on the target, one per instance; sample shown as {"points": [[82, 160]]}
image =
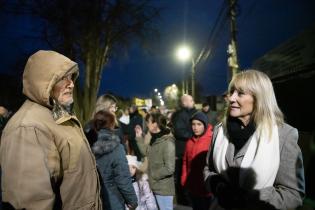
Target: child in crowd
{"points": [[146, 200], [194, 161]]}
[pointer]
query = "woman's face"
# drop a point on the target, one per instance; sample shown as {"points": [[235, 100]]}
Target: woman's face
{"points": [[132, 170], [197, 127], [241, 105], [113, 108], [152, 126]]}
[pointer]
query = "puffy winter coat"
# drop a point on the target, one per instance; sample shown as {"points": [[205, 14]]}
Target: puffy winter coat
{"points": [[47, 163], [194, 161], [113, 166]]}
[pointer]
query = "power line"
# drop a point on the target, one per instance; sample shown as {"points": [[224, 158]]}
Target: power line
{"points": [[249, 12], [214, 33]]}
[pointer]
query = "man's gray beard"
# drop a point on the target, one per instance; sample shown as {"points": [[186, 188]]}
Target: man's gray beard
{"points": [[68, 106]]}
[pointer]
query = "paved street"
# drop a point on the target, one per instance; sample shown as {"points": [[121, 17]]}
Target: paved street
{"points": [[179, 207]]}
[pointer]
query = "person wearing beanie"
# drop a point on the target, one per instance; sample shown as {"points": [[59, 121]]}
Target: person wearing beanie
{"points": [[194, 161], [211, 114], [140, 184]]}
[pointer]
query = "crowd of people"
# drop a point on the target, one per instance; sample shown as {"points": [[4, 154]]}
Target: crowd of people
{"points": [[246, 157]]}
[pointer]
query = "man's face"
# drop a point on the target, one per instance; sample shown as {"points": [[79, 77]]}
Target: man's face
{"points": [[188, 102], [63, 90]]}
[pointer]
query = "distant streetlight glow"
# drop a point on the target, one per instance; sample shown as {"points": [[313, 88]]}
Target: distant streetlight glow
{"points": [[183, 53], [155, 90]]}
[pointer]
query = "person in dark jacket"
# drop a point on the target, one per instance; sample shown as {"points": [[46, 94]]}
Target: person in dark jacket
{"points": [[112, 164], [135, 120], [211, 114], [182, 132]]}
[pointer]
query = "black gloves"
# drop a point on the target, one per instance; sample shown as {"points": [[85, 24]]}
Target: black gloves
{"points": [[231, 196]]}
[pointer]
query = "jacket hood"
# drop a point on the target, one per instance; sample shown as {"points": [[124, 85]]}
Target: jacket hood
{"points": [[106, 142], [42, 71]]}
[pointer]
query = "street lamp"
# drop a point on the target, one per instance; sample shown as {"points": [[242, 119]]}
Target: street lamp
{"points": [[183, 53]]}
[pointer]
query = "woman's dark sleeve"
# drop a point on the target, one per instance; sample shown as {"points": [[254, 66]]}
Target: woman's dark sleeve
{"points": [[122, 177]]}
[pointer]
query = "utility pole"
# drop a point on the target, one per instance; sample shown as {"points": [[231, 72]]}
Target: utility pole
{"points": [[193, 71], [232, 48], [183, 87]]}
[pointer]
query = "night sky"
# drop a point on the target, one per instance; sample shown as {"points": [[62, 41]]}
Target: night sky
{"points": [[262, 25]]}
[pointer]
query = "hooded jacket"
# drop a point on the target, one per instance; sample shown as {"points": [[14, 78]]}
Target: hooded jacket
{"points": [[47, 163], [113, 166], [194, 161]]}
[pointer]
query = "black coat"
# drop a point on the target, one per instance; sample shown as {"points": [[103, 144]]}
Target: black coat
{"points": [[114, 170], [135, 119], [182, 129]]}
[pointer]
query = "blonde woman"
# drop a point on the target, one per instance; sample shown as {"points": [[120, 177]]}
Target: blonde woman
{"points": [[104, 102], [255, 162]]}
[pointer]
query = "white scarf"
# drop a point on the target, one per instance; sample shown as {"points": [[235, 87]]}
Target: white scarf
{"points": [[262, 156]]}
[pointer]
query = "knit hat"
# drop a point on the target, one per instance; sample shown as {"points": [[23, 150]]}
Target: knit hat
{"points": [[132, 160], [202, 117]]}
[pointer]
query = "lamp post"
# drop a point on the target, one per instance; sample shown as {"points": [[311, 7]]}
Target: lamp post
{"points": [[193, 71], [183, 53]]}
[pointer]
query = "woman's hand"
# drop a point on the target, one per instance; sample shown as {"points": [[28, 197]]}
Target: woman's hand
{"points": [[138, 131]]}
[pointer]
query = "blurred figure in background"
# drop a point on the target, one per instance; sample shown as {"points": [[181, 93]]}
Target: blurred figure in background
{"points": [[104, 102], [221, 112], [182, 131], [154, 109], [135, 120], [211, 114]]}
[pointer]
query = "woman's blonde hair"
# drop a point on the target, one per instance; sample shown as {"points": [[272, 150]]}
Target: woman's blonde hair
{"points": [[104, 102], [266, 111]]}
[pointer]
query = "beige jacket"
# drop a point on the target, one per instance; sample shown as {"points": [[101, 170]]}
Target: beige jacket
{"points": [[45, 162]]}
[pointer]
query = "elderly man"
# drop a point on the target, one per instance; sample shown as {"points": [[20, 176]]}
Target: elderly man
{"points": [[182, 131], [45, 158]]}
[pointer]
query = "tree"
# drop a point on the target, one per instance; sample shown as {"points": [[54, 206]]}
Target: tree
{"points": [[92, 32]]}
